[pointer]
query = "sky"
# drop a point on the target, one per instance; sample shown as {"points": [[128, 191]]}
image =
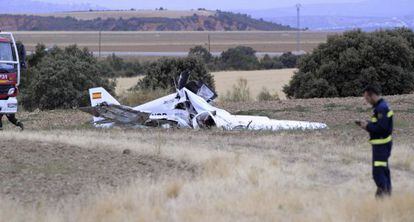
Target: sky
{"points": [[194, 4]]}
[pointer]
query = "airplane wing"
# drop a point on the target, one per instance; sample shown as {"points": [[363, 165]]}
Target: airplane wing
{"points": [[117, 114]]}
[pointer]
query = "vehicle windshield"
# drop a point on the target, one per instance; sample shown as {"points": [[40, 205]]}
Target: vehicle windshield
{"points": [[6, 53]]}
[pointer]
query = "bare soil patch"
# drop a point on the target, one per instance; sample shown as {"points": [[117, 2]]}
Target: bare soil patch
{"points": [[33, 172]]}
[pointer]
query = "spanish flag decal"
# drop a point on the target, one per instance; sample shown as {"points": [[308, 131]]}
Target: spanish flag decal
{"points": [[97, 95]]}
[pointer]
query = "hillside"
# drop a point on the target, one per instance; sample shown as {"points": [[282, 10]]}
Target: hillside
{"points": [[127, 14], [219, 21]]}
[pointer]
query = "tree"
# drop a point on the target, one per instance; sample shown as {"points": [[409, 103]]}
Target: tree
{"points": [[240, 58], [289, 60], [162, 73], [61, 79], [347, 63], [271, 63], [202, 53], [114, 66], [266, 62]]}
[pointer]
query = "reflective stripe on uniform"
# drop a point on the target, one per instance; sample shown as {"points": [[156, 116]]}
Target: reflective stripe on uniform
{"points": [[380, 164], [381, 141], [374, 120], [390, 114]]}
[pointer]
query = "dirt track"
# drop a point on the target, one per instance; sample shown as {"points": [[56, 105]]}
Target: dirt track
{"points": [[38, 171]]}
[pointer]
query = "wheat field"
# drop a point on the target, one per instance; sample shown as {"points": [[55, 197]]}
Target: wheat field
{"points": [[273, 80], [77, 173]]}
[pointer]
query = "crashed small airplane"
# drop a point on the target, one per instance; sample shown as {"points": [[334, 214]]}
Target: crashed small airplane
{"points": [[190, 107]]}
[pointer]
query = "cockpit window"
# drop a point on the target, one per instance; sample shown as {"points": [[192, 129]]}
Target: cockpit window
{"points": [[6, 52]]}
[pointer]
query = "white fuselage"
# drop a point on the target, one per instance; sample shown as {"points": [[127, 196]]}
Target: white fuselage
{"points": [[165, 108], [189, 110]]}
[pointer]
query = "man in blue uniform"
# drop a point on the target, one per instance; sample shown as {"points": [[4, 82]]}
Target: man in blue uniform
{"points": [[380, 130]]}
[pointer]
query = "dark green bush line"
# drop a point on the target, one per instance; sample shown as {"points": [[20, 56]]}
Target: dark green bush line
{"points": [[238, 58], [243, 58], [114, 66]]}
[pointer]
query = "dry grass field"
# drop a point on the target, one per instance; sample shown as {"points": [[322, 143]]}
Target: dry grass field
{"points": [[61, 169], [125, 83], [86, 15], [273, 80], [281, 41]]}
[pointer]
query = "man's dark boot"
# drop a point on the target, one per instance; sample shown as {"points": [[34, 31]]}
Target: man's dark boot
{"points": [[20, 124], [380, 193], [387, 193]]}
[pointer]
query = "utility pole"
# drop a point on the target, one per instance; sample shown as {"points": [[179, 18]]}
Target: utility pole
{"points": [[209, 43], [100, 43], [298, 48]]}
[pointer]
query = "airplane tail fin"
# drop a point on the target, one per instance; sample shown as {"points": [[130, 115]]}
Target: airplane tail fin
{"points": [[99, 95]]}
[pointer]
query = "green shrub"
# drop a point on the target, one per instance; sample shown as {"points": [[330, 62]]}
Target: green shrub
{"points": [[240, 92], [163, 73], [201, 53], [268, 62], [239, 58], [347, 63], [61, 78], [289, 60], [114, 66], [286, 60]]}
